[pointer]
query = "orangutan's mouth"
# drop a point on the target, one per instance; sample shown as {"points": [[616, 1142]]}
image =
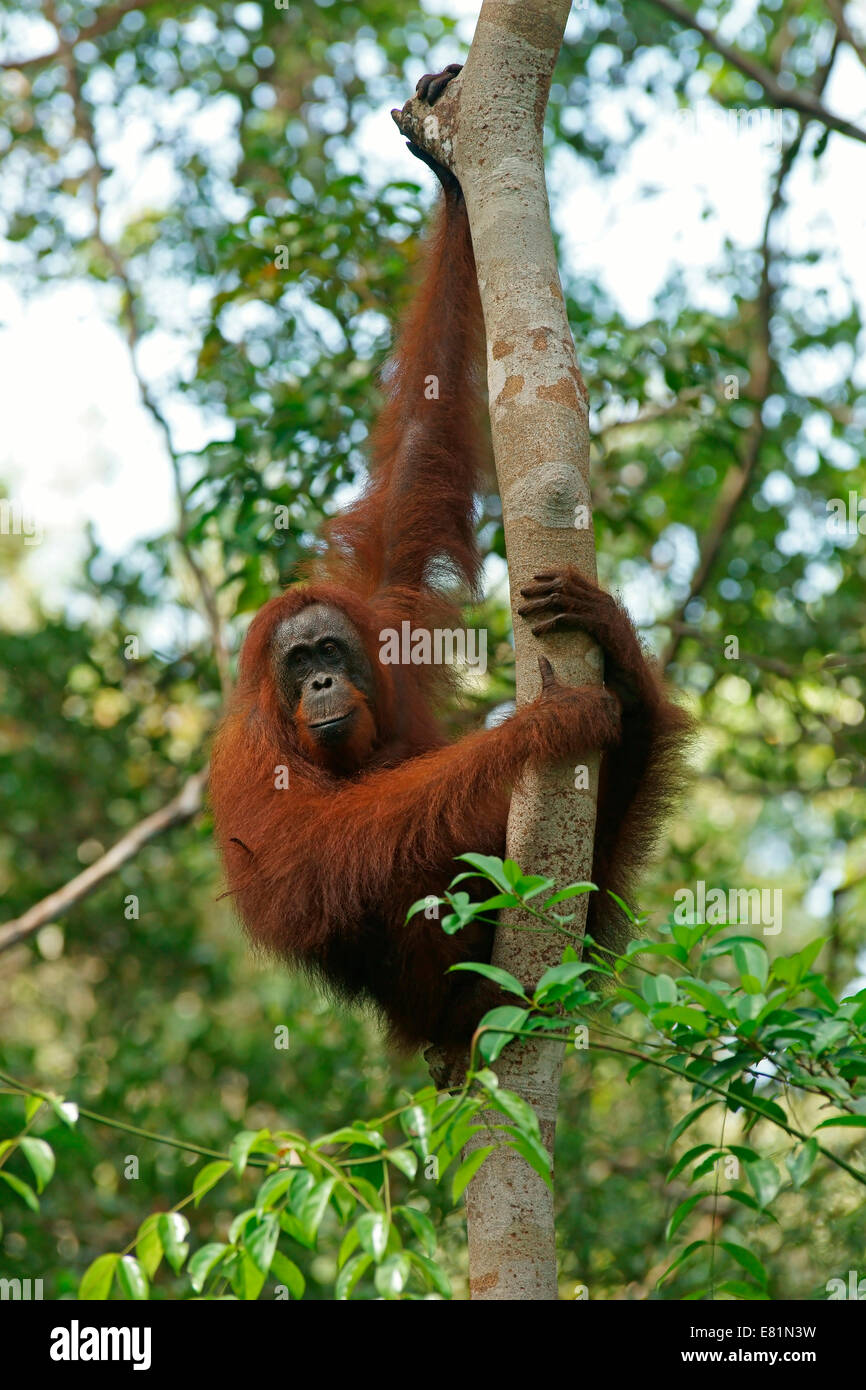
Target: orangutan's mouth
{"points": [[336, 719]]}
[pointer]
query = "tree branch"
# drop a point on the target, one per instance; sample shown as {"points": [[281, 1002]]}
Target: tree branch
{"points": [[656, 411], [804, 102], [844, 30], [834, 661], [181, 808]]}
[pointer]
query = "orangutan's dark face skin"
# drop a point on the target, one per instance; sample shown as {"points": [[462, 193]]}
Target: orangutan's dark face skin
{"points": [[321, 667]]}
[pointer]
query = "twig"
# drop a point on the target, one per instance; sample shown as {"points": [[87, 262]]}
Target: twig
{"points": [[654, 412], [844, 30], [801, 100], [180, 809], [767, 663], [834, 661]]}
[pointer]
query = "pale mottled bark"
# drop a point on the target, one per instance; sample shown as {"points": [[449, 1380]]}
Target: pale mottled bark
{"points": [[487, 126]]}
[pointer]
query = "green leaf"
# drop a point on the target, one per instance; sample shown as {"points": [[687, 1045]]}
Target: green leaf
{"points": [[560, 975], [818, 985], [65, 1110], [24, 1190], [712, 1002], [344, 1202], [242, 1146], [248, 1280], [492, 1042], [498, 900], [688, 1119], [574, 890], [750, 1005], [467, 1170], [629, 997], [681, 1259], [148, 1246], [391, 1276], [725, 947], [738, 1288], [416, 1125], [131, 1279], [96, 1281], [315, 1205], [530, 885], [421, 906], [492, 972], [753, 964], [681, 1212], [791, 969], [204, 1262], [639, 946], [173, 1230], [633, 1070], [765, 1179], [489, 867], [350, 1274], [41, 1159], [261, 1242], [701, 1169], [659, 989], [272, 1189], [436, 1276], [623, 906], [669, 949], [743, 1153], [680, 1013], [842, 1121], [290, 1223], [286, 1272], [353, 1134], [32, 1106], [373, 1233], [749, 1262], [208, 1177], [688, 1157], [518, 1110], [348, 1246], [421, 1226], [829, 1033], [745, 1199], [533, 1151], [688, 936], [768, 1108], [404, 1159]]}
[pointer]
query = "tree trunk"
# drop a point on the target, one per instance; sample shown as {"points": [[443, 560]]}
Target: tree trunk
{"points": [[487, 127]]}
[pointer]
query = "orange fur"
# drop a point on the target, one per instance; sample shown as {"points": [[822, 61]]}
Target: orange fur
{"points": [[323, 872]]}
